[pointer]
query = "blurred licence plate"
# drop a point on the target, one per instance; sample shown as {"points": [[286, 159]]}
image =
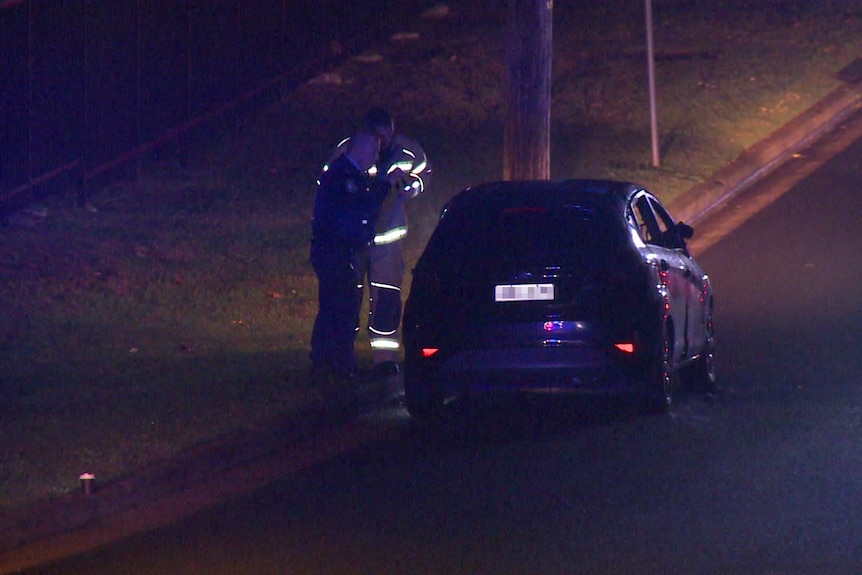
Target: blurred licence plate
{"points": [[524, 292]]}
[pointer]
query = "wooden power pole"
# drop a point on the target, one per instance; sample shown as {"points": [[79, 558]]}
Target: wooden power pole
{"points": [[527, 139]]}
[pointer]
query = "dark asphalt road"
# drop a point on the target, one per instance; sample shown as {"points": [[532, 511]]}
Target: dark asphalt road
{"points": [[768, 479]]}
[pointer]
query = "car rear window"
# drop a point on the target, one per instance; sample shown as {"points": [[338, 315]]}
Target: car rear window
{"points": [[564, 232]]}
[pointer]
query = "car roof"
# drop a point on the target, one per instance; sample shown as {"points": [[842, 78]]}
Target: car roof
{"points": [[505, 194]]}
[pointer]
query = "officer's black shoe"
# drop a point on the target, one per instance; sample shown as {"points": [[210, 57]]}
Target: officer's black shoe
{"points": [[384, 370]]}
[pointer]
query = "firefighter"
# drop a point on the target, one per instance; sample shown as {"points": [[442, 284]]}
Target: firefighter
{"points": [[345, 205], [385, 266]]}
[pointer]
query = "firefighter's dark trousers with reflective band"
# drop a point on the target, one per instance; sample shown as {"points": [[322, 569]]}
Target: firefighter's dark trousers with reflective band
{"points": [[385, 276]]}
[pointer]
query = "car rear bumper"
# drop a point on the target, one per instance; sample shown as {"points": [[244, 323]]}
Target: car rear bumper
{"points": [[584, 371]]}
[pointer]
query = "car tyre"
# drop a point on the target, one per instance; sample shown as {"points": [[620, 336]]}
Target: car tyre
{"points": [[701, 376], [658, 395]]}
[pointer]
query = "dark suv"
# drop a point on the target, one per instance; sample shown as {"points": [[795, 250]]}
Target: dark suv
{"points": [[581, 286]]}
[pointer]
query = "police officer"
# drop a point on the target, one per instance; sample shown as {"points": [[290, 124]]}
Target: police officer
{"points": [[386, 259], [345, 205]]}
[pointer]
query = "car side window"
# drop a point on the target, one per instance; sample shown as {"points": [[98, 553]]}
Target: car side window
{"points": [[647, 225], [672, 235], [663, 219]]}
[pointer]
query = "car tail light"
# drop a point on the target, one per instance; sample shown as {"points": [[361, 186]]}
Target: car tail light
{"points": [[429, 351], [625, 347]]}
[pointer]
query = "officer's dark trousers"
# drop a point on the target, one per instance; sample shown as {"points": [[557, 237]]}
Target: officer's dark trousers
{"points": [[339, 300]]}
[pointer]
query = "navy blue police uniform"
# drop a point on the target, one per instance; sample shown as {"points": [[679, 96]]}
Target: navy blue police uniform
{"points": [[345, 205]]}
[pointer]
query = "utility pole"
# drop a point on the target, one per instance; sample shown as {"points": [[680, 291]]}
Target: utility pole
{"points": [[527, 139]]}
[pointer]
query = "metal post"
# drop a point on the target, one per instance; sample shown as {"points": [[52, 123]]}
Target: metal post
{"points": [[30, 98], [189, 51], [139, 54], [182, 140], [652, 97], [83, 190]]}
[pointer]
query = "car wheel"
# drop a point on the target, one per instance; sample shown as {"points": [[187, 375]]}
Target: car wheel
{"points": [[658, 395], [424, 400], [701, 376]]}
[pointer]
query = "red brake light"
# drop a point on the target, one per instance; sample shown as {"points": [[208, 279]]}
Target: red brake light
{"points": [[625, 347], [429, 351]]}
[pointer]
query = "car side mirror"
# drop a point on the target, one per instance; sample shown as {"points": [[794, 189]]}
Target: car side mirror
{"points": [[674, 238], [684, 230]]}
